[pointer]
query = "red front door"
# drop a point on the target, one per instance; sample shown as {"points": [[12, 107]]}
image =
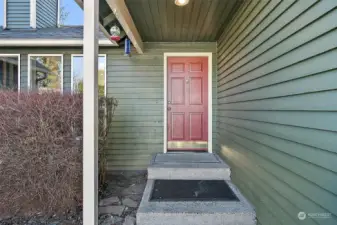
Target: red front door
{"points": [[187, 103]]}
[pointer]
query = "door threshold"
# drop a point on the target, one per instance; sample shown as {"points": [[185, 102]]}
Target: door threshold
{"points": [[187, 151]]}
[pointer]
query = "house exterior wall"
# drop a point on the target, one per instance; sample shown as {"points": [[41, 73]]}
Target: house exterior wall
{"points": [[46, 13], [138, 83], [67, 52], [18, 14], [277, 103]]}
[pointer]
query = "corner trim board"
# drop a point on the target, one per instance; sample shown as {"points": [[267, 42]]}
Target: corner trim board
{"points": [[33, 14], [58, 13], [5, 14], [210, 93]]}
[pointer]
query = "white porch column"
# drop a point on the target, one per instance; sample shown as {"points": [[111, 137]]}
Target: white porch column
{"points": [[90, 113]]}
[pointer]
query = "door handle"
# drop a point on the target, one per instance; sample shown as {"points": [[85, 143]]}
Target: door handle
{"points": [[168, 108]]}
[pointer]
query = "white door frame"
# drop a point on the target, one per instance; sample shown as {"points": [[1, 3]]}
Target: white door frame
{"points": [[210, 110]]}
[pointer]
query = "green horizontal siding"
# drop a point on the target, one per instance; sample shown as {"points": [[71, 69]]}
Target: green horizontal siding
{"points": [[277, 119], [67, 72]]}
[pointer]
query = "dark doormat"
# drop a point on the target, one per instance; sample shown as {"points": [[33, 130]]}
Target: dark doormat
{"points": [[192, 190]]}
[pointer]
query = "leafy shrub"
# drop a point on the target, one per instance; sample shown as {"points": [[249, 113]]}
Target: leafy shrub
{"points": [[40, 152]]}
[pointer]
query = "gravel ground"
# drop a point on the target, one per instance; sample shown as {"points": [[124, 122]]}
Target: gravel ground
{"points": [[118, 204], [67, 219], [124, 191]]}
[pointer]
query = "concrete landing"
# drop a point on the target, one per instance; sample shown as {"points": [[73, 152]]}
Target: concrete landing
{"points": [[188, 166], [194, 212]]}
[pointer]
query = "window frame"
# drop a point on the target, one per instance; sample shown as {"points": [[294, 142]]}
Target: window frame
{"points": [[72, 71], [19, 67], [45, 55]]}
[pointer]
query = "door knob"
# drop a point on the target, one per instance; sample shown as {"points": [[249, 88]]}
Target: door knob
{"points": [[168, 108]]}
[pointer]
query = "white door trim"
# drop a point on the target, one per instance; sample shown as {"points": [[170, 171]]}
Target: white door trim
{"points": [[210, 110]]}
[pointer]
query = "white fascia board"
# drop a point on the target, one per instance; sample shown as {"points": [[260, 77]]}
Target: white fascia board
{"points": [[49, 42]]}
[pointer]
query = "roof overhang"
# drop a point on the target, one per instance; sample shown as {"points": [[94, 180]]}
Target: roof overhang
{"points": [[118, 13], [123, 15], [102, 28], [49, 42]]}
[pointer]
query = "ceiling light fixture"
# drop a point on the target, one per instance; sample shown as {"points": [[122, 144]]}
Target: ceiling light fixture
{"points": [[181, 2]]}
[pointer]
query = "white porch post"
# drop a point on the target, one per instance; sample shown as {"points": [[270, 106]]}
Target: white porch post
{"points": [[90, 113]]}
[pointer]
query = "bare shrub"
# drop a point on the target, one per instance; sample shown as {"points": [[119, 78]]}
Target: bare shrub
{"points": [[40, 153], [107, 108]]}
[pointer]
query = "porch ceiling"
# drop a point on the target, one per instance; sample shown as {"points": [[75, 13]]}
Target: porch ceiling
{"points": [[163, 21]]}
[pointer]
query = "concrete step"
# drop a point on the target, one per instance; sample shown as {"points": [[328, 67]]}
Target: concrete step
{"points": [[195, 212], [188, 166]]}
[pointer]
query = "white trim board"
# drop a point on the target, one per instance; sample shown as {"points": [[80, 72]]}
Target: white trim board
{"points": [[19, 67], [90, 112], [72, 71], [49, 42], [33, 14], [5, 14], [210, 109], [29, 69], [58, 13]]}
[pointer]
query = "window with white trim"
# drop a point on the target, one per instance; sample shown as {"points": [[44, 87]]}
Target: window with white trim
{"points": [[10, 72], [77, 74], [45, 73]]}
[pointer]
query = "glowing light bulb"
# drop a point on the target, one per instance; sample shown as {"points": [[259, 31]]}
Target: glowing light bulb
{"points": [[181, 2]]}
